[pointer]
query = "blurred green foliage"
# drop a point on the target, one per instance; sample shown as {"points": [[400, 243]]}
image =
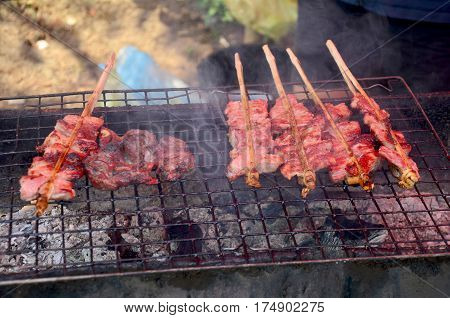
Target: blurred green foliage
{"points": [[215, 10], [271, 18]]}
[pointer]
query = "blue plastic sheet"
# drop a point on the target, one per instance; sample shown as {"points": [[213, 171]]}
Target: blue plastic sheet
{"points": [[136, 69]]}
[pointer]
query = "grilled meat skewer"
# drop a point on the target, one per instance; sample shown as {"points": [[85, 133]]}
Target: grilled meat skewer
{"points": [[252, 174], [50, 176], [265, 160], [250, 136], [353, 153], [395, 148], [305, 173], [117, 161]]}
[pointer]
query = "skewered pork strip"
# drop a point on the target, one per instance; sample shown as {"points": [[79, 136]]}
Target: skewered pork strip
{"points": [[378, 121], [50, 175], [342, 167], [316, 149], [394, 147], [353, 154], [251, 173], [306, 177], [323, 149], [265, 160], [33, 184]]}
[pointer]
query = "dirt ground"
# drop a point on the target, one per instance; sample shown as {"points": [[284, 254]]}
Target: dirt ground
{"points": [[173, 32]]}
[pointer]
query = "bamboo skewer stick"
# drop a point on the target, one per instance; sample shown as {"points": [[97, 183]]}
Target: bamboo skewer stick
{"points": [[42, 200], [348, 76], [309, 177], [252, 174], [363, 180], [347, 80], [408, 177]]}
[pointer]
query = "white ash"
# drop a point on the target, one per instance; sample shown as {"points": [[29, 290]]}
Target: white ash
{"points": [[416, 215], [144, 234], [78, 249], [50, 245], [151, 222]]}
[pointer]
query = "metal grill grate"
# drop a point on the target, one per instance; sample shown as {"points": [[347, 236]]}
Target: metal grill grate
{"points": [[203, 220]]}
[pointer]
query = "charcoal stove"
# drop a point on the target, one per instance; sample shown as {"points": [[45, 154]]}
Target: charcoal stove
{"points": [[203, 221]]}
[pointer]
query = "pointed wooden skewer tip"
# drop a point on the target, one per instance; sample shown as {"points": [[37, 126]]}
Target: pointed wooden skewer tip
{"points": [[100, 85]]}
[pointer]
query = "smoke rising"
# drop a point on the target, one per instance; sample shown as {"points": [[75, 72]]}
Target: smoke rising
{"points": [[373, 45]]}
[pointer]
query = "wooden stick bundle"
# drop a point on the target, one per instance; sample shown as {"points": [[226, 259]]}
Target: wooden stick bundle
{"points": [[363, 179], [42, 200], [252, 174], [309, 177]]}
